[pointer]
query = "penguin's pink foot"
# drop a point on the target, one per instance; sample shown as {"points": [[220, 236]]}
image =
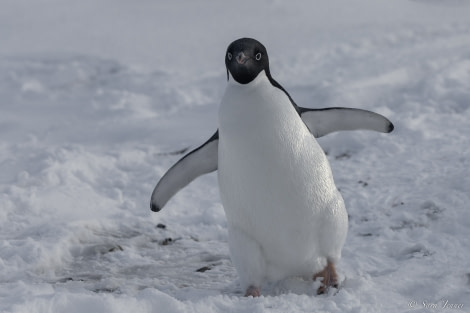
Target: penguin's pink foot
{"points": [[252, 291], [329, 278]]}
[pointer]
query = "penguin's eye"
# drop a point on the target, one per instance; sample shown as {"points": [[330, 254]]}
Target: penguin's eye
{"points": [[258, 56], [229, 56]]}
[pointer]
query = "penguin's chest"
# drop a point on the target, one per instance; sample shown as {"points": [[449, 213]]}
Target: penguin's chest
{"points": [[272, 172]]}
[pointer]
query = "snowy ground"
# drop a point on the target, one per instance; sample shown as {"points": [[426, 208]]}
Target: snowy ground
{"points": [[98, 99]]}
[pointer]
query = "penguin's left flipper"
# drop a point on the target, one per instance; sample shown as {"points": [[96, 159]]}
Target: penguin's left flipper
{"points": [[324, 121], [201, 160]]}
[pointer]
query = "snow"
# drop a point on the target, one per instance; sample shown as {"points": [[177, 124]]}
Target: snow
{"points": [[98, 97]]}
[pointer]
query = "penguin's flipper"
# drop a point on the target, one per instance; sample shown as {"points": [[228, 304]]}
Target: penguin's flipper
{"points": [[201, 160], [328, 120]]}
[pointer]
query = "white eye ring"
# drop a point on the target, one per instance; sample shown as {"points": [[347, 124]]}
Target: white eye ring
{"points": [[258, 56], [229, 56]]}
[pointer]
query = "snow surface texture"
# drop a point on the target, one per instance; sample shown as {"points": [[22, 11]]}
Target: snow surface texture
{"points": [[99, 98]]}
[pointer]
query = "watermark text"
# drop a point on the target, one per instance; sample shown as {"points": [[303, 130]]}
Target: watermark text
{"points": [[443, 304]]}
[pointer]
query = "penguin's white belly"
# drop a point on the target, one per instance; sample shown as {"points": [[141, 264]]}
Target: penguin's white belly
{"points": [[276, 187]]}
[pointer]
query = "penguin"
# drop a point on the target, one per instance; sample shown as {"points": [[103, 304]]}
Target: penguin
{"points": [[285, 215]]}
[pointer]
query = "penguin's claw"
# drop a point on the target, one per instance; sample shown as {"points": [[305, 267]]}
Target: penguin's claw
{"points": [[329, 278], [252, 291]]}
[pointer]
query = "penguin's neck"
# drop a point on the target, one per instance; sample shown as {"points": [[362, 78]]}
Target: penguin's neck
{"points": [[257, 107], [243, 102], [262, 77]]}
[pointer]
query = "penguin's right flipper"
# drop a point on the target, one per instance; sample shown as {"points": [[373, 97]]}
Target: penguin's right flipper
{"points": [[201, 160]]}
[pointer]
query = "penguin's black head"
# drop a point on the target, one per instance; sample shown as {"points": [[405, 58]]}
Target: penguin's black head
{"points": [[245, 59]]}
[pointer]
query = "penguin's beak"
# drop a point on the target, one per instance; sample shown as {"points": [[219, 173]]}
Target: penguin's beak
{"points": [[241, 58]]}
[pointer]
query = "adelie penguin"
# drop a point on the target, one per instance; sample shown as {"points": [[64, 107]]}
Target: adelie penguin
{"points": [[285, 215]]}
